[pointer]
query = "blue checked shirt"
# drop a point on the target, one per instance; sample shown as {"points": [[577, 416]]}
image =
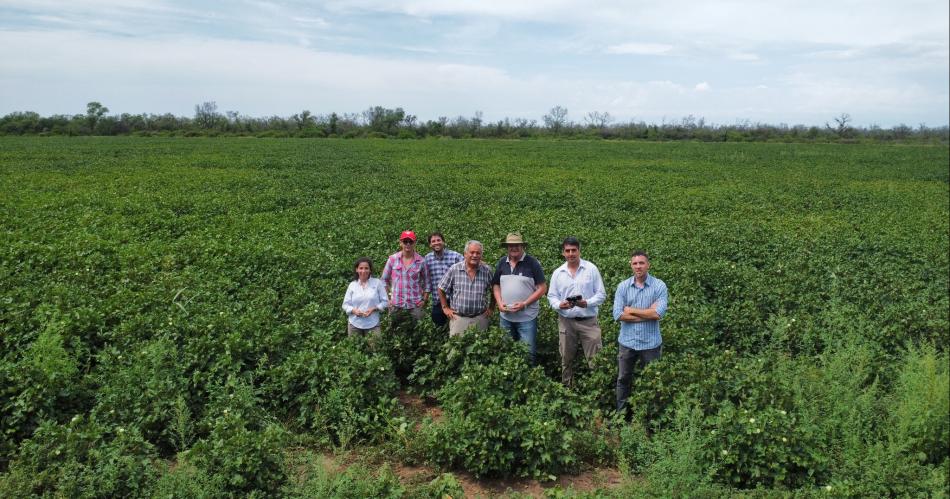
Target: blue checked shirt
{"points": [[438, 266], [643, 335]]}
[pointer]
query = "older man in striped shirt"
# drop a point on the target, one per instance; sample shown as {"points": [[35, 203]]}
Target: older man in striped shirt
{"points": [[639, 304], [465, 292]]}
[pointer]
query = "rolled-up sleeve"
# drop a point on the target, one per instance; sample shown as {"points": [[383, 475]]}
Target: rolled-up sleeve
{"points": [[387, 272], [445, 284], [619, 301], [662, 299]]}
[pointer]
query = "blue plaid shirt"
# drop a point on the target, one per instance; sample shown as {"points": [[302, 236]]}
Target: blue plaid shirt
{"points": [[643, 335], [438, 267]]}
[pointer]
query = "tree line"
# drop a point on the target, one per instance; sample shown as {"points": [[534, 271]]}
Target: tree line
{"points": [[382, 122]]}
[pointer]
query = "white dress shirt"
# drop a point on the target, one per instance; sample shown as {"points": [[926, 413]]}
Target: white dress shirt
{"points": [[585, 282]]}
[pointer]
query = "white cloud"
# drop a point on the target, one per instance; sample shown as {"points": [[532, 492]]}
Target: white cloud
{"points": [[744, 56], [640, 48], [772, 61], [313, 22]]}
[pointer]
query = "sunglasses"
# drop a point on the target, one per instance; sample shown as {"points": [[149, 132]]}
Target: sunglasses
{"points": [[408, 241]]}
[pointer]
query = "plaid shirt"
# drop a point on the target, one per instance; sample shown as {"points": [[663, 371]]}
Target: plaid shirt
{"points": [[467, 296], [407, 283], [437, 266]]}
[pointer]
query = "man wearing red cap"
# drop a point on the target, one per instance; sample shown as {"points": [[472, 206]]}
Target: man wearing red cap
{"points": [[406, 279]]}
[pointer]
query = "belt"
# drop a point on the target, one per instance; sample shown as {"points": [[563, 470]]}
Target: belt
{"points": [[580, 318], [470, 316]]}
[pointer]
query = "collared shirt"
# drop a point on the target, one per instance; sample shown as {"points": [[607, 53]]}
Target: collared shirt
{"points": [[642, 335], [437, 266], [465, 295], [585, 282], [517, 284], [371, 296], [408, 283]]}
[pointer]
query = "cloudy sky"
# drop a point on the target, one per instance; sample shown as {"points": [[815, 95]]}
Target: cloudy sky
{"points": [[776, 61]]}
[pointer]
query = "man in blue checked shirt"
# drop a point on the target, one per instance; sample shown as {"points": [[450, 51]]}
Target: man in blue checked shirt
{"points": [[639, 304], [438, 262]]}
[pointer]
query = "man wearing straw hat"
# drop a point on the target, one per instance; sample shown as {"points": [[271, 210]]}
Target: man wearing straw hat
{"points": [[518, 284]]}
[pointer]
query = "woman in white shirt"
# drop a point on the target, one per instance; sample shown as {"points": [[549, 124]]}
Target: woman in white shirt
{"points": [[365, 298]]}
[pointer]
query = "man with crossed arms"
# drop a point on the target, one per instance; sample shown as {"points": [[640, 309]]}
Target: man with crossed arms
{"points": [[639, 304]]}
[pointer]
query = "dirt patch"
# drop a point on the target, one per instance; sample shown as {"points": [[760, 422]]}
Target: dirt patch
{"points": [[586, 481], [602, 478], [420, 407]]}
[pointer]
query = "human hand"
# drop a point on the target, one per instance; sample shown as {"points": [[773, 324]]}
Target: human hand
{"points": [[582, 303], [449, 313], [565, 305]]}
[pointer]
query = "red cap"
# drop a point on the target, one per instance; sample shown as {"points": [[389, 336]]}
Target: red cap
{"points": [[407, 234]]}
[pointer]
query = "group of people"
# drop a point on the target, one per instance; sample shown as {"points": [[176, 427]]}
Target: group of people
{"points": [[465, 292]]}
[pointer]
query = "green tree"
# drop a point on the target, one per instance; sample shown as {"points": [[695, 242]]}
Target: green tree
{"points": [[94, 111]]}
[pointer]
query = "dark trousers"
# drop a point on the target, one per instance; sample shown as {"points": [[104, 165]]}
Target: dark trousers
{"points": [[438, 316], [629, 361]]}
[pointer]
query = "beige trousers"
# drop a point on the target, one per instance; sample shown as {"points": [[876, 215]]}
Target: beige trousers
{"points": [[585, 332], [459, 324]]}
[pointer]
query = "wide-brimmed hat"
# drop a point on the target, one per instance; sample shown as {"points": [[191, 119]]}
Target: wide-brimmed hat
{"points": [[513, 238]]}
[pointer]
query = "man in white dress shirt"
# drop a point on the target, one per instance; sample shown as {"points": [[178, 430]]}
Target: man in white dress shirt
{"points": [[576, 291]]}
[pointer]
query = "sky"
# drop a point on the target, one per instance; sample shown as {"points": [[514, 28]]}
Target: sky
{"points": [[779, 61]]}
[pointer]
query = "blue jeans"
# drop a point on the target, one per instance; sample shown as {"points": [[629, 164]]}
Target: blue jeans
{"points": [[525, 332]]}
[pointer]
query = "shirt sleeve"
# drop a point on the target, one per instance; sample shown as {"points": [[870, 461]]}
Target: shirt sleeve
{"points": [[427, 261], [619, 301], [445, 284], [554, 293], [348, 300], [662, 299], [600, 294], [381, 295], [387, 276], [424, 278], [496, 277]]}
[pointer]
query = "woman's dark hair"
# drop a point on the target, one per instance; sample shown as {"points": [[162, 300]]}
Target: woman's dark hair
{"points": [[369, 262]]}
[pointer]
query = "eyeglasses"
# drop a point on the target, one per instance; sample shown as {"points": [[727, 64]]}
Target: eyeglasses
{"points": [[408, 241]]}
